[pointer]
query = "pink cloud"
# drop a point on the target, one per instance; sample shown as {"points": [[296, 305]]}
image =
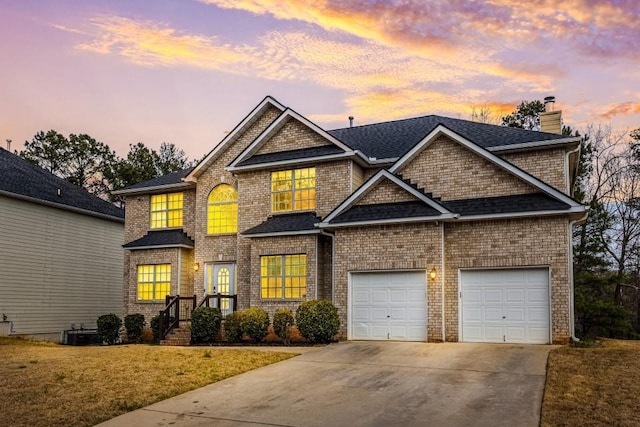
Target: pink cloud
{"points": [[622, 108]]}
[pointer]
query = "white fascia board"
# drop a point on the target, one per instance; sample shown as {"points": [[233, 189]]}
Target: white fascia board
{"points": [[290, 162], [535, 144], [197, 170], [158, 247], [275, 126], [282, 233], [443, 130], [373, 181], [442, 217], [579, 209], [155, 188], [61, 206]]}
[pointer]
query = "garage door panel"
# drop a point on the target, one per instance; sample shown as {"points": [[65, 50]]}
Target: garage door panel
{"points": [[510, 305], [389, 305], [492, 295]]}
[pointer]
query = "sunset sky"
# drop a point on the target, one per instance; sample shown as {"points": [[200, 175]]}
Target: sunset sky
{"points": [[186, 71]]}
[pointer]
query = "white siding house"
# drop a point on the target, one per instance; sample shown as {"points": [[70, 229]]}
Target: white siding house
{"points": [[61, 259]]}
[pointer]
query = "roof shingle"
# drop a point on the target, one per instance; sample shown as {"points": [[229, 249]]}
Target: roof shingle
{"points": [[21, 178], [295, 222], [161, 238]]}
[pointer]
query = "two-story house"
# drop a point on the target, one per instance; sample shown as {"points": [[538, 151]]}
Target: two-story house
{"points": [[424, 229]]}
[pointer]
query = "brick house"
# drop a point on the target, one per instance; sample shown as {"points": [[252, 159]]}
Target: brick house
{"points": [[424, 229]]}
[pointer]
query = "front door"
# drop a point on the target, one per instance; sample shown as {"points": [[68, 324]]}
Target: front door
{"points": [[220, 279]]}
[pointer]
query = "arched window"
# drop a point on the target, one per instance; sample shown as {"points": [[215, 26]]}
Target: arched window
{"points": [[222, 210]]}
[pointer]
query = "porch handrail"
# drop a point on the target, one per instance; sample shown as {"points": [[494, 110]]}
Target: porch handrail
{"points": [[219, 297], [170, 316]]}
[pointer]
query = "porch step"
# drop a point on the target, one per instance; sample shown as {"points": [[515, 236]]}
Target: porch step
{"points": [[178, 336]]}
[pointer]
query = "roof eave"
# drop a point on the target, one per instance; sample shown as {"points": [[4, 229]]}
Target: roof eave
{"points": [[572, 210], [155, 188], [526, 146], [283, 233], [137, 248], [266, 165], [328, 225]]}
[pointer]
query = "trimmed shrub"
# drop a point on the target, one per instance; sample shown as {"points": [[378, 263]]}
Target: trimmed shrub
{"points": [[155, 328], [205, 324], [233, 326], [318, 320], [134, 324], [255, 323], [109, 328], [282, 323]]}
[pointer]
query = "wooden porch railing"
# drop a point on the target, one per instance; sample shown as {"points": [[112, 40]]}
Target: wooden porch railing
{"points": [[177, 309]]}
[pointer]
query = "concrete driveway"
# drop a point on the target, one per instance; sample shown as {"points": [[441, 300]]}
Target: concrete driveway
{"points": [[370, 384]]}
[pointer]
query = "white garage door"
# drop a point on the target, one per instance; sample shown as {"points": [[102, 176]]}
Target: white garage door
{"points": [[388, 306], [505, 305]]}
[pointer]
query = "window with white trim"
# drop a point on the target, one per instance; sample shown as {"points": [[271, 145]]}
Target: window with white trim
{"points": [[283, 276], [293, 190], [154, 282]]}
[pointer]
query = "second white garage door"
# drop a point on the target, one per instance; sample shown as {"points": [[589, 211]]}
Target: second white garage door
{"points": [[388, 306], [505, 305]]}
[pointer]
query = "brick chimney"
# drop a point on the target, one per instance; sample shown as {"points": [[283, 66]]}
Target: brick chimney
{"points": [[551, 120]]}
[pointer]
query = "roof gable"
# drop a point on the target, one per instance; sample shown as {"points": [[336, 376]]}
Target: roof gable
{"points": [[441, 130], [265, 104], [24, 180], [431, 207], [247, 159]]}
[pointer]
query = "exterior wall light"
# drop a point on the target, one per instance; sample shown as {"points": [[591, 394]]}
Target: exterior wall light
{"points": [[432, 273], [196, 266]]}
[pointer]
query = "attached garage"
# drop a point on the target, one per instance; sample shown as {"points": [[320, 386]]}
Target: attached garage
{"points": [[388, 306], [505, 305]]}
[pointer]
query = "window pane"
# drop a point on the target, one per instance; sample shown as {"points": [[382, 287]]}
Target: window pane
{"points": [[222, 210]]}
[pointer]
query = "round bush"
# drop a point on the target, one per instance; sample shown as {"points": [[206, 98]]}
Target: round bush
{"points": [[255, 323], [282, 322], [205, 324], [109, 328], [155, 328], [134, 324], [318, 320], [233, 326]]}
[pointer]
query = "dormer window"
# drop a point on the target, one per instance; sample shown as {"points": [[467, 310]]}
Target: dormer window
{"points": [[293, 190], [166, 210]]}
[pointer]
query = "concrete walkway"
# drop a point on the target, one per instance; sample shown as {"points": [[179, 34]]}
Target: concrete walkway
{"points": [[370, 384]]}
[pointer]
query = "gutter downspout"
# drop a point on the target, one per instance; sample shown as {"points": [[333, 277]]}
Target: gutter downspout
{"points": [[179, 270], [566, 168], [444, 337], [333, 264]]}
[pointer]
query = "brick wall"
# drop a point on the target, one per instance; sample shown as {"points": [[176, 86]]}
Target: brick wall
{"points": [[546, 165], [291, 245], [389, 247], [292, 136], [386, 192], [451, 171], [509, 243]]}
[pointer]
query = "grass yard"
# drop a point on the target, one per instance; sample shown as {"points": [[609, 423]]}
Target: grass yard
{"points": [[53, 385], [593, 386]]}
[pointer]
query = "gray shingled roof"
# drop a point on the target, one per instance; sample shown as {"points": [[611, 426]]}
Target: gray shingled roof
{"points": [[23, 179], [395, 138], [172, 178], [161, 238], [304, 153], [295, 222], [534, 202], [384, 211]]}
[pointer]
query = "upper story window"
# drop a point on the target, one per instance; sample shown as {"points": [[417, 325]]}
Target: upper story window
{"points": [[293, 190], [166, 210], [222, 210]]}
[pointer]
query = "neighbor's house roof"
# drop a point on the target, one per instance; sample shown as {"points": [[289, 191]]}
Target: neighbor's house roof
{"points": [[158, 239], [23, 180]]}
